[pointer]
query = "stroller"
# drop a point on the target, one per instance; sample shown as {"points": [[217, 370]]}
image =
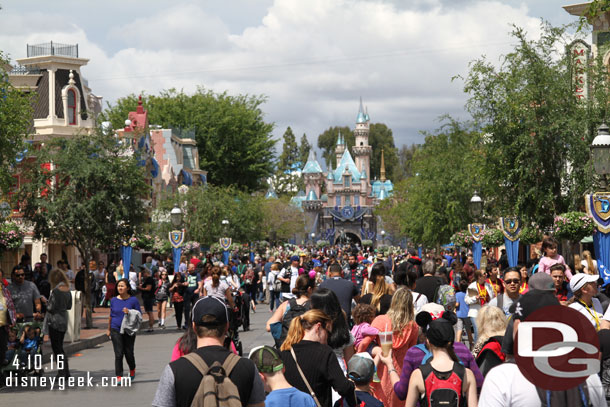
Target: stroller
{"points": [[235, 321], [22, 363]]}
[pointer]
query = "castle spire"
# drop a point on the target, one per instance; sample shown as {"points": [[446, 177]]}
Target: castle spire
{"points": [[361, 116], [339, 141], [382, 172], [140, 109]]}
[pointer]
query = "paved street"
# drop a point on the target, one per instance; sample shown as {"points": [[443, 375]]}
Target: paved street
{"points": [[153, 352]]}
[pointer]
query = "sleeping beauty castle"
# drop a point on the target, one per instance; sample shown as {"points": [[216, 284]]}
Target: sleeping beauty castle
{"points": [[339, 203]]}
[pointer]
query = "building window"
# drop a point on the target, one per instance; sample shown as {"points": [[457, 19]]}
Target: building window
{"points": [[346, 181], [71, 107], [348, 200], [357, 200], [338, 201]]}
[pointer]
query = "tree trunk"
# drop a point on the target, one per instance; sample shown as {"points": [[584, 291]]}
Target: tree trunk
{"points": [[87, 299]]}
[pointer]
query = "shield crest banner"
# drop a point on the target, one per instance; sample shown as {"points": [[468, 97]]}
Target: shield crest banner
{"points": [[598, 207], [476, 231], [176, 238], [225, 243], [511, 227]]}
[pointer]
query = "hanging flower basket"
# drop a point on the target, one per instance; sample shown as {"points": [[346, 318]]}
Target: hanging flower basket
{"points": [[367, 243], [162, 246], [11, 237], [192, 247], [573, 226], [462, 238], [493, 238], [530, 235], [322, 243], [145, 242]]}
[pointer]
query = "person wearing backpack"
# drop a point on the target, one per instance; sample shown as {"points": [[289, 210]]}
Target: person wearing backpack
{"points": [[428, 284], [419, 354], [275, 286], [442, 379], [292, 308], [211, 373], [288, 277]]}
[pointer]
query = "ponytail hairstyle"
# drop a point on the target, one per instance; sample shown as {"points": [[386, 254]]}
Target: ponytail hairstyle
{"points": [[303, 323], [326, 301], [302, 285], [215, 276], [380, 288], [590, 265]]}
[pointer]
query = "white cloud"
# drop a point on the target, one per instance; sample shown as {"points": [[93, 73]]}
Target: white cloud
{"points": [[313, 59]]}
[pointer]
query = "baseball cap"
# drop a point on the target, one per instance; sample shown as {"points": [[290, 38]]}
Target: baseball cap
{"points": [[542, 282], [361, 368], [211, 306], [433, 308], [532, 301], [316, 263], [266, 359], [580, 279], [294, 258]]}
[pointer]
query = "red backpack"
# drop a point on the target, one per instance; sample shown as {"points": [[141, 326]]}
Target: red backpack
{"points": [[443, 388], [249, 276]]}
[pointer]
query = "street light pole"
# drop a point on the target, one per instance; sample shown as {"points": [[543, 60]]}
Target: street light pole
{"points": [[176, 236]]}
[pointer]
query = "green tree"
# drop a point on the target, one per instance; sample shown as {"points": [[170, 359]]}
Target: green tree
{"points": [[432, 204], [90, 197], [304, 148], [286, 179], [405, 157], [537, 131], [15, 119], [381, 137], [282, 221], [327, 141], [234, 142], [205, 208]]}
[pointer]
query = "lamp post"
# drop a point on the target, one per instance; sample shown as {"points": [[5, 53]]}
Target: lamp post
{"points": [[597, 204], [383, 237], [176, 236], [476, 229], [313, 236], [600, 153], [225, 242], [476, 206]]}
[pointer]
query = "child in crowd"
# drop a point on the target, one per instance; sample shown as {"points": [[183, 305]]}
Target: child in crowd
{"points": [[363, 315], [361, 369], [463, 322], [30, 338], [12, 345], [271, 369], [549, 248]]}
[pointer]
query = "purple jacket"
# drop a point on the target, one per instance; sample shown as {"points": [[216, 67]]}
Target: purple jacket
{"points": [[413, 360]]}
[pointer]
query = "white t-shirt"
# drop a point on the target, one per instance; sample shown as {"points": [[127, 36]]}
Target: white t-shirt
{"points": [[293, 280], [419, 300], [217, 292], [596, 309], [133, 280], [506, 303], [505, 386]]}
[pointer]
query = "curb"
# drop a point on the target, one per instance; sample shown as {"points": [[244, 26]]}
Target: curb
{"points": [[70, 348]]}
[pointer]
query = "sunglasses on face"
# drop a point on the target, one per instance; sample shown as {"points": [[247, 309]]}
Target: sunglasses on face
{"points": [[513, 281], [19, 275]]}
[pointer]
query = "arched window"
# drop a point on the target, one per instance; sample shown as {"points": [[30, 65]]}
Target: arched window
{"points": [[71, 107]]}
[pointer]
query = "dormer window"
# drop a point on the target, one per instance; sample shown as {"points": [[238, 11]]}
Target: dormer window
{"points": [[346, 181], [71, 107]]}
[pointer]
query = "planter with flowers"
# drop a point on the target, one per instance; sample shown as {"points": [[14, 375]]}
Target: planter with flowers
{"points": [[11, 237], [145, 242], [573, 226], [322, 243], [493, 238], [462, 238], [191, 247]]}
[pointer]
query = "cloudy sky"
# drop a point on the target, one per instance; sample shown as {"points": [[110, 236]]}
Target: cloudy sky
{"points": [[313, 59]]}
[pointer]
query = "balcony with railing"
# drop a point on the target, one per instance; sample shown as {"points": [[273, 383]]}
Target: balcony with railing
{"points": [[53, 48], [25, 70]]}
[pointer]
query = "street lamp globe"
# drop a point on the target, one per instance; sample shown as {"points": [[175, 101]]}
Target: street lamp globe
{"points": [[313, 235], [476, 205], [600, 151], [225, 222], [176, 216], [383, 233]]}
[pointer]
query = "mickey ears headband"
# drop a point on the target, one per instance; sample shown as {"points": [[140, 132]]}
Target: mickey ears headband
{"points": [[424, 318]]}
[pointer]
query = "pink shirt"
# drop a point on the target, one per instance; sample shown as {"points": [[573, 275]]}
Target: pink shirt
{"points": [[545, 264], [361, 330]]}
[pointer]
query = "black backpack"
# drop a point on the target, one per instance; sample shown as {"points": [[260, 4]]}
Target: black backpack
{"points": [[79, 281], [286, 286], [295, 310]]}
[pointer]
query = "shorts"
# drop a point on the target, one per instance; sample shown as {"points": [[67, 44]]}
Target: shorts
{"points": [[464, 323], [148, 304]]}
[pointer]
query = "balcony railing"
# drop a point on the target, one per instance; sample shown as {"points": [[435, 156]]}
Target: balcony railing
{"points": [[25, 70], [52, 48]]}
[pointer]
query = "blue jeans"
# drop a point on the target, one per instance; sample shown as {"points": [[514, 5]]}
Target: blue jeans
{"points": [[274, 298], [473, 321]]}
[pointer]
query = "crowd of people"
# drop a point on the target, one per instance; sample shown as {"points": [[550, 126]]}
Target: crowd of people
{"points": [[353, 327], [347, 326]]}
